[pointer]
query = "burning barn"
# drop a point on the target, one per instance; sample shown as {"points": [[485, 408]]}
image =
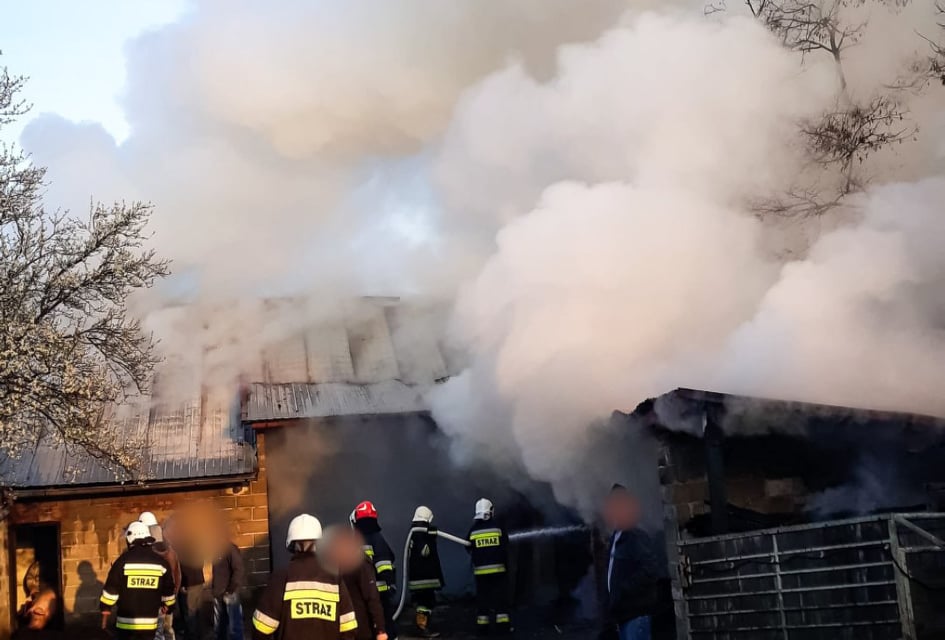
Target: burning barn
{"points": [[795, 520], [334, 414]]}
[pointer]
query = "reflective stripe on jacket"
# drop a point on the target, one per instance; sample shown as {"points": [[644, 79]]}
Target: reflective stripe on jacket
{"points": [[489, 548]]}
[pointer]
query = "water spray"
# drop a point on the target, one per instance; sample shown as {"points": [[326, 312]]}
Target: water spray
{"points": [[547, 532], [542, 532]]}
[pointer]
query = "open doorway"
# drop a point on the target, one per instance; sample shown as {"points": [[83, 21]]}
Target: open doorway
{"points": [[38, 568]]}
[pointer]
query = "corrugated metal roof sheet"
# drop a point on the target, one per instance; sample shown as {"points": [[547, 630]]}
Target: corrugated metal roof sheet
{"points": [[415, 334], [179, 444], [314, 400], [371, 356], [372, 350], [329, 353]]}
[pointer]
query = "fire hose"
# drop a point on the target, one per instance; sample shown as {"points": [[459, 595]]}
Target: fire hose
{"points": [[406, 557]]}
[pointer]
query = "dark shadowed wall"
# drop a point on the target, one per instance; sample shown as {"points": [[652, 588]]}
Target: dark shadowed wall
{"points": [[326, 468]]}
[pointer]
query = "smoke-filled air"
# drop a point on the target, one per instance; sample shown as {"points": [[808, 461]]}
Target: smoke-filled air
{"points": [[615, 198]]}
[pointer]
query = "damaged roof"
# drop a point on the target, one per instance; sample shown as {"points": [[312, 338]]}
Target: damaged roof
{"points": [[378, 357], [187, 441], [682, 411], [324, 400]]}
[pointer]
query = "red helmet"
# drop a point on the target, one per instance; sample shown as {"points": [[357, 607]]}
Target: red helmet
{"points": [[365, 510]]}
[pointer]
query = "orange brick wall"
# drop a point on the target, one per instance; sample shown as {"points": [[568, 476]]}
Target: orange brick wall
{"points": [[5, 569], [91, 534], [781, 495]]}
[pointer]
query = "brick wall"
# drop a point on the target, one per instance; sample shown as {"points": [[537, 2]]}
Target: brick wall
{"points": [[5, 613], [765, 495], [685, 487], [92, 528]]}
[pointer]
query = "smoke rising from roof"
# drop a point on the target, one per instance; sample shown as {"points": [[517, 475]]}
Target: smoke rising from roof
{"points": [[629, 263], [579, 173]]}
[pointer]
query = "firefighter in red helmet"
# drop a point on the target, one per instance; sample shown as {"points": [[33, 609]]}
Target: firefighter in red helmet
{"points": [[378, 552]]}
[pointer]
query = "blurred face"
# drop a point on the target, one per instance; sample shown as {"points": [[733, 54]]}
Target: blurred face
{"points": [[621, 511], [343, 548], [42, 609]]}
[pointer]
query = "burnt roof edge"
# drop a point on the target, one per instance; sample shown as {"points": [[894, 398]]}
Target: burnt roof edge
{"points": [[62, 491], [645, 408]]}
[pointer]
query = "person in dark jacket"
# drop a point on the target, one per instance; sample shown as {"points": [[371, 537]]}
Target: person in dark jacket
{"points": [[381, 556], [192, 619], [228, 577], [139, 587], [424, 573], [489, 551], [342, 549], [632, 569]]}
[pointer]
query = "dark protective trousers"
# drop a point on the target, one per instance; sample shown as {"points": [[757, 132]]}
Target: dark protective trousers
{"points": [[124, 634], [493, 603], [389, 602], [424, 600]]}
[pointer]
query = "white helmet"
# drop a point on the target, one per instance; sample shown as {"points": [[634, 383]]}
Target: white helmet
{"points": [[147, 518], [484, 509], [351, 518], [137, 531], [423, 514], [303, 527]]}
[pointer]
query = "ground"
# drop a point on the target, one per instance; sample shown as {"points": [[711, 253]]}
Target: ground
{"points": [[455, 622]]}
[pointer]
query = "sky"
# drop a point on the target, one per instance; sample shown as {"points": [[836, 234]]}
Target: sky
{"points": [[73, 53]]}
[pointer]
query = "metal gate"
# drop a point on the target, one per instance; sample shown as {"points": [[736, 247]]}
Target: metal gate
{"points": [[875, 578]]}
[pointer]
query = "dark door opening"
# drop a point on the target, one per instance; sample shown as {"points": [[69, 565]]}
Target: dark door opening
{"points": [[37, 554]]}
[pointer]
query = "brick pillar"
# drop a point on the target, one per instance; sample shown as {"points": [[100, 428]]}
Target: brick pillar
{"points": [[251, 521], [5, 614]]}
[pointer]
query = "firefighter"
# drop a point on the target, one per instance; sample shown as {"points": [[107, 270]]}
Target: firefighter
{"points": [[381, 557], [304, 600], [489, 550], [424, 573], [141, 583]]}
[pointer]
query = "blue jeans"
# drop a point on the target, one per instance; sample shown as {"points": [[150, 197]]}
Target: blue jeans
{"points": [[635, 629], [165, 630], [228, 617]]}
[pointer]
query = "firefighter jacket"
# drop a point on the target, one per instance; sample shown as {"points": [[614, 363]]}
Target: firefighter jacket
{"points": [[304, 601], [489, 548], [138, 585], [379, 553], [424, 570]]}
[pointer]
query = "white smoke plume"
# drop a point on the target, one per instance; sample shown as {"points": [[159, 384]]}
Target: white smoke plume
{"points": [[260, 132], [628, 265], [579, 173]]}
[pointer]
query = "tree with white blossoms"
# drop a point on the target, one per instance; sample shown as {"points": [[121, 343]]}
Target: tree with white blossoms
{"points": [[69, 352]]}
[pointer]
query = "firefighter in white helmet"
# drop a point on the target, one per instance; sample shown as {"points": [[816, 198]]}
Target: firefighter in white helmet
{"points": [[304, 600], [489, 551], [139, 587], [424, 573]]}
